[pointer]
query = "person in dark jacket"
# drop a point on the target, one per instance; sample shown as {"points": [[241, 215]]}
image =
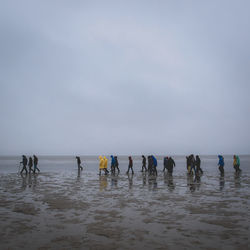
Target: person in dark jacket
{"points": [[150, 164], [117, 164], [35, 161], [188, 164], [192, 164], [30, 164], [170, 165], [221, 164], [78, 160], [165, 163], [130, 165], [198, 165], [143, 164], [24, 162]]}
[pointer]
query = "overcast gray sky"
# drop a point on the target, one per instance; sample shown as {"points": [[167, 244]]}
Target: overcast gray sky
{"points": [[124, 77]]}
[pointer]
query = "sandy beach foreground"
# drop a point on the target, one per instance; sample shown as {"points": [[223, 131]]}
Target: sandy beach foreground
{"points": [[71, 210]]}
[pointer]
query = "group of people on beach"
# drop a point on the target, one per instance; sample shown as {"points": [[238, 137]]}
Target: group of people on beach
{"points": [[151, 169], [236, 164], [31, 162], [193, 164]]}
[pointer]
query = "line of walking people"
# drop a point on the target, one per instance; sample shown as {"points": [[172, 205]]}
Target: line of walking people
{"points": [[31, 162], [193, 164], [151, 169]]}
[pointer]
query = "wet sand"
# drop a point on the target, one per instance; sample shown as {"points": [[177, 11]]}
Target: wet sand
{"points": [[72, 210]]}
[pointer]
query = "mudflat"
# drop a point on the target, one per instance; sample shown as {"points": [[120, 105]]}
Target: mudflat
{"points": [[61, 209]]}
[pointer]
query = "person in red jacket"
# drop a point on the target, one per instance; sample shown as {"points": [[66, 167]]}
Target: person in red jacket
{"points": [[130, 165]]}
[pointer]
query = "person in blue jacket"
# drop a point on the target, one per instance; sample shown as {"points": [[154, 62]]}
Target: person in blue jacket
{"points": [[154, 164], [221, 164], [112, 164]]}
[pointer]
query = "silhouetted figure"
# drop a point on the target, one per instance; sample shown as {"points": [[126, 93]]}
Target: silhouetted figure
{"points": [[188, 164], [78, 159], [35, 161], [170, 165], [192, 162], [221, 164], [112, 164], [236, 163], [165, 163], [30, 164], [117, 164], [198, 165], [150, 164], [24, 162], [154, 164], [143, 164], [130, 165]]}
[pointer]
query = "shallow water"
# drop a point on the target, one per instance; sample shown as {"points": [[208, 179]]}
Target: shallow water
{"points": [[61, 208]]}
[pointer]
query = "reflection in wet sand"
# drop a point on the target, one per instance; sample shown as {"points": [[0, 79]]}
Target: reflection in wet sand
{"points": [[169, 181], [222, 182], [237, 179], [103, 182], [152, 182], [114, 180], [130, 180], [82, 210]]}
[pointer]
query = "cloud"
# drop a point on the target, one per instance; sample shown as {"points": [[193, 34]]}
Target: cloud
{"points": [[89, 77]]}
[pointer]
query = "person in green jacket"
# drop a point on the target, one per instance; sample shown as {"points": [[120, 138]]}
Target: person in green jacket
{"points": [[236, 163]]}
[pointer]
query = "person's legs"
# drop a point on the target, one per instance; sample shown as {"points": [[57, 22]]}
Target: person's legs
{"points": [[221, 170], [24, 168], [117, 168], [36, 168], [128, 169]]}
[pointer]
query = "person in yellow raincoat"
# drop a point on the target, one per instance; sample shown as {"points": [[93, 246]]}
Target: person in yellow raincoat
{"points": [[105, 165], [102, 165]]}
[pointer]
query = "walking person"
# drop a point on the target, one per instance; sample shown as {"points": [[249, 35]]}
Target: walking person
{"points": [[236, 164], [117, 164], [78, 160], [198, 165], [130, 165], [105, 165], [221, 164], [24, 162], [188, 162], [192, 164], [154, 164], [101, 166], [30, 164], [150, 164], [35, 161], [170, 165], [112, 164], [143, 164], [165, 163]]}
